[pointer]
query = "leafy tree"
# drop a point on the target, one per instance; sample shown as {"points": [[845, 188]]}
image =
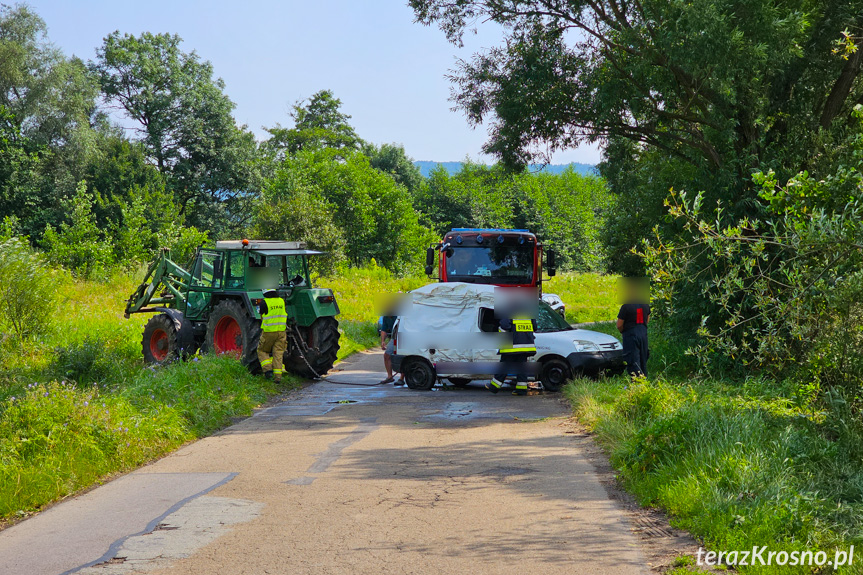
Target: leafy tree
{"points": [[443, 203], [290, 210], [690, 95], [18, 188], [785, 288], [391, 159], [566, 212], [53, 98], [50, 101], [184, 120], [318, 123], [374, 215], [706, 80]]}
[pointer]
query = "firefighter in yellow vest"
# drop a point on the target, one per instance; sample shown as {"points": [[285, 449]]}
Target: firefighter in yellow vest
{"points": [[522, 347], [274, 340]]}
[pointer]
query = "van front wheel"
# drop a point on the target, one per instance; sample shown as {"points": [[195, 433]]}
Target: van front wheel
{"points": [[419, 374], [554, 374]]}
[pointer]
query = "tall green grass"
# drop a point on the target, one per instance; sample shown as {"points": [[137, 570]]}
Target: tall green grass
{"points": [[737, 463], [59, 437], [588, 297], [359, 292]]}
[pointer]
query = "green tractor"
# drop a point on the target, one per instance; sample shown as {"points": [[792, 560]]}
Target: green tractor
{"points": [[214, 307]]}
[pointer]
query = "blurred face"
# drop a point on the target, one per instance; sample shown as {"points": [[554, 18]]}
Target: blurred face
{"points": [[390, 303], [633, 290], [512, 302]]}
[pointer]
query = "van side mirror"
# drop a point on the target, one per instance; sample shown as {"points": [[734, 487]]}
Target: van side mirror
{"points": [[550, 263]]}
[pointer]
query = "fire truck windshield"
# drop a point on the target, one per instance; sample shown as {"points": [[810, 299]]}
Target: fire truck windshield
{"points": [[493, 264]]}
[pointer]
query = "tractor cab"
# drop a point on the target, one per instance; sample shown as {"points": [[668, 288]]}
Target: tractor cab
{"points": [[264, 264]]}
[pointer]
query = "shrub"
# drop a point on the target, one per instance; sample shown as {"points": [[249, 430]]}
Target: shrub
{"points": [[27, 290], [84, 362], [79, 246]]}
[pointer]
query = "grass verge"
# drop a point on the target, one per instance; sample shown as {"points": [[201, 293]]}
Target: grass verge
{"points": [[737, 464]]}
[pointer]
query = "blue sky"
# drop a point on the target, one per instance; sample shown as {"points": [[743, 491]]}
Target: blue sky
{"points": [[388, 71]]}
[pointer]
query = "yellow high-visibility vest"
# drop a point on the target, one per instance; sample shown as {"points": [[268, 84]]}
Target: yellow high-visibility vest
{"points": [[522, 337], [276, 318]]}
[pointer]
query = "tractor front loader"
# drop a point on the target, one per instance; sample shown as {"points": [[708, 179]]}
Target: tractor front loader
{"points": [[214, 307]]}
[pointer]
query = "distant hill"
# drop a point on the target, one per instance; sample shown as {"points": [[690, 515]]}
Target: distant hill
{"points": [[452, 167]]}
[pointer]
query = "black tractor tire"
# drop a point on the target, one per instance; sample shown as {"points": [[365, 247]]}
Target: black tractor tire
{"points": [[459, 381], [554, 373], [419, 373], [160, 343], [322, 338], [232, 329]]}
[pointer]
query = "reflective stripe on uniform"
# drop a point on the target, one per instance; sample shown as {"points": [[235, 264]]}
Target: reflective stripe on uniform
{"points": [[519, 348], [496, 383], [267, 362], [276, 318]]}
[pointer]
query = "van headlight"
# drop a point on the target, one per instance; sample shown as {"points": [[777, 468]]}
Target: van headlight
{"points": [[584, 345]]}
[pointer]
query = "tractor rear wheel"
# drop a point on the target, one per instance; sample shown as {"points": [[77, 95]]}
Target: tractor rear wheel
{"points": [[232, 329], [160, 342], [322, 337]]}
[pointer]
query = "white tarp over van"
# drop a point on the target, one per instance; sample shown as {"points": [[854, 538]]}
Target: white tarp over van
{"points": [[445, 317]]}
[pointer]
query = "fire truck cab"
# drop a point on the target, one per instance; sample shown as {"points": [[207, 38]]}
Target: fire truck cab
{"points": [[503, 257]]}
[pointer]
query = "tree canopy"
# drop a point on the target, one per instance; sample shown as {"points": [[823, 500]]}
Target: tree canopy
{"points": [[183, 116]]}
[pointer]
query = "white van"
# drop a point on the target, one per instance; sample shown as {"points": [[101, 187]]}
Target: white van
{"points": [[451, 325]]}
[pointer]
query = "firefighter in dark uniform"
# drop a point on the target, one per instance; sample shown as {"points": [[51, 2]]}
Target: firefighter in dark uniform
{"points": [[523, 346], [632, 323], [274, 339]]}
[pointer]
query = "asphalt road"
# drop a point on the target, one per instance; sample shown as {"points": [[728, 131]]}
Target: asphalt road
{"points": [[349, 477]]}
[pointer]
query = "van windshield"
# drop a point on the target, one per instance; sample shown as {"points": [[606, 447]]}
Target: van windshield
{"points": [[498, 264], [548, 320]]}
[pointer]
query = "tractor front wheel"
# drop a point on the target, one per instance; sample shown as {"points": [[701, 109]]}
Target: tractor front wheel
{"points": [[231, 329], [322, 338], [159, 344]]}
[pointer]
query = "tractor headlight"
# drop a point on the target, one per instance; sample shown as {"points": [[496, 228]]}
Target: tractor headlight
{"points": [[582, 345]]}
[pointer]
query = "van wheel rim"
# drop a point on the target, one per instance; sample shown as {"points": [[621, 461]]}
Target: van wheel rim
{"points": [[159, 345], [228, 335], [555, 375]]}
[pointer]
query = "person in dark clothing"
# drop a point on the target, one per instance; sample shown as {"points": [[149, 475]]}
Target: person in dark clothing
{"points": [[523, 346], [632, 323]]}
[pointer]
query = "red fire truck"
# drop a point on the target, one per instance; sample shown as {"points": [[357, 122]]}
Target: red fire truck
{"points": [[491, 256]]}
